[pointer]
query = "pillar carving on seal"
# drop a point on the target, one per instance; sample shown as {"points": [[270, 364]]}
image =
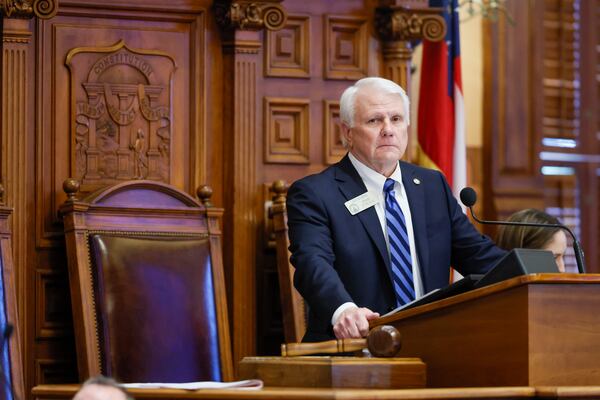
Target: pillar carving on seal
{"points": [[44, 9], [242, 23], [397, 26]]}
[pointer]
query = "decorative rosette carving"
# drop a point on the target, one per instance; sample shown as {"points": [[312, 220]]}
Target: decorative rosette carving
{"points": [[399, 23], [44, 9], [250, 15]]}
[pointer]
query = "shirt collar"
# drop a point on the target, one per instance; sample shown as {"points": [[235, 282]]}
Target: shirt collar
{"points": [[372, 179]]}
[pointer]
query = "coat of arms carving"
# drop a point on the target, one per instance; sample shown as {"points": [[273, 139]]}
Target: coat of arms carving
{"points": [[121, 114]]}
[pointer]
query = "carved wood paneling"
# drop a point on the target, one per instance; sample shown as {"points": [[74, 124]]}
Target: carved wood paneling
{"points": [[120, 93], [346, 47], [53, 309], [398, 26], [334, 150], [249, 14], [241, 63], [17, 167], [54, 371], [286, 125], [287, 51], [44, 9], [122, 114], [129, 109]]}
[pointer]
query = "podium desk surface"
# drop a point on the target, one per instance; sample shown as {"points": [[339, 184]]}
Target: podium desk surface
{"points": [[531, 279], [534, 330], [60, 392]]}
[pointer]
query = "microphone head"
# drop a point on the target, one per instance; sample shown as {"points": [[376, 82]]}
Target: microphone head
{"points": [[468, 196]]}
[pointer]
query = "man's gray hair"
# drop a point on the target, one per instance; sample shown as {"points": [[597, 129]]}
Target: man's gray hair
{"points": [[348, 99], [102, 380]]}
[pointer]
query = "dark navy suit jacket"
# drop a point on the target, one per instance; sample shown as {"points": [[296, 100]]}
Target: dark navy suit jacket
{"points": [[343, 258]]}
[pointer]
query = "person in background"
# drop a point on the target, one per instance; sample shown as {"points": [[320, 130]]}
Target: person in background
{"points": [[531, 237], [101, 388]]}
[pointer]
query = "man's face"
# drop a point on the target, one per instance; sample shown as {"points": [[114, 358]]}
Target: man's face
{"points": [[379, 135]]}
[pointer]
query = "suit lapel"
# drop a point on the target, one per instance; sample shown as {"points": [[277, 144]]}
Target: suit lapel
{"points": [[351, 185], [416, 201]]}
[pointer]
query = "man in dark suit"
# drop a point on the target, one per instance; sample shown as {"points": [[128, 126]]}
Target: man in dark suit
{"points": [[372, 232]]}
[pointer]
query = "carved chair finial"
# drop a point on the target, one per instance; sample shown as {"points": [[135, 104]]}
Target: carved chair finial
{"points": [[279, 187], [71, 187], [204, 193]]}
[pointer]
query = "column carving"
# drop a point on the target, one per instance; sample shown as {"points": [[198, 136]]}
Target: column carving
{"points": [[241, 23], [396, 27], [250, 15], [16, 165], [44, 9]]}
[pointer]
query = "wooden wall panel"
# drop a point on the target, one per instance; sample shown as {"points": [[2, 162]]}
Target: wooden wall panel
{"points": [[346, 51], [287, 51], [104, 91], [512, 112], [17, 166], [100, 64], [286, 127]]}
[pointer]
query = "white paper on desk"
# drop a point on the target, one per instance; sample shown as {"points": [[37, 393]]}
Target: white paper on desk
{"points": [[250, 384]]}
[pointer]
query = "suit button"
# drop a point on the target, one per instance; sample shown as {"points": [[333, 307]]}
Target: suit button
{"points": [[391, 308]]}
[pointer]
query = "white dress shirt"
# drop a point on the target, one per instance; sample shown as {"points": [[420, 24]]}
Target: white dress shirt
{"points": [[374, 182]]}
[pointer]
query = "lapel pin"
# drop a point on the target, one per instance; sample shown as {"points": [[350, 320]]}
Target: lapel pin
{"points": [[417, 181]]}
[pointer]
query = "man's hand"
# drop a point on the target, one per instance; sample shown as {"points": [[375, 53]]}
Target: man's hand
{"points": [[354, 323]]}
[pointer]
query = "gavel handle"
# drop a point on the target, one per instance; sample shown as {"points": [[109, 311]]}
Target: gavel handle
{"points": [[327, 347]]}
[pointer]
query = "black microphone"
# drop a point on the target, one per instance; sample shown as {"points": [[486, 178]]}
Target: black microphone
{"points": [[468, 197]]}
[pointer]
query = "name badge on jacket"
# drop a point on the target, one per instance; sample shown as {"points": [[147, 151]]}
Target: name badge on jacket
{"points": [[361, 203]]}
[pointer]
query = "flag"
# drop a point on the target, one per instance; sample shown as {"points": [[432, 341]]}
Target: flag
{"points": [[441, 121], [441, 111]]}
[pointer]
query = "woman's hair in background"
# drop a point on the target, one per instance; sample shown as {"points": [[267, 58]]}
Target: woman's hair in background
{"points": [[527, 237]]}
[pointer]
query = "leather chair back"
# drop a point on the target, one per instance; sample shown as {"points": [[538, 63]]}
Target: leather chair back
{"points": [[146, 277]]}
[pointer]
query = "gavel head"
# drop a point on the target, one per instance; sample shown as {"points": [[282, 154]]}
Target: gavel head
{"points": [[384, 341]]}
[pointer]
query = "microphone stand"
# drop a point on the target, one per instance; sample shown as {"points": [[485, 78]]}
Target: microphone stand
{"points": [[576, 245]]}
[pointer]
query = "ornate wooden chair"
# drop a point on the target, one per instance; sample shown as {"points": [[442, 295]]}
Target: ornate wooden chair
{"points": [[11, 370], [292, 304], [147, 285]]}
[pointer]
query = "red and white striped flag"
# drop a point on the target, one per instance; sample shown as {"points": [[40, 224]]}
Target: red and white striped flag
{"points": [[441, 120], [441, 111]]}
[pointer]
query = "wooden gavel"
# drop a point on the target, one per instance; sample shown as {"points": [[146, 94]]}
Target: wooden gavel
{"points": [[382, 341]]}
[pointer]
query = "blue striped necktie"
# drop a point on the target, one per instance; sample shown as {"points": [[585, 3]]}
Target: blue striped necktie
{"points": [[400, 259]]}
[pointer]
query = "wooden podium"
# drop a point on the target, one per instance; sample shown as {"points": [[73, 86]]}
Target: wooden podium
{"points": [[534, 330]]}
